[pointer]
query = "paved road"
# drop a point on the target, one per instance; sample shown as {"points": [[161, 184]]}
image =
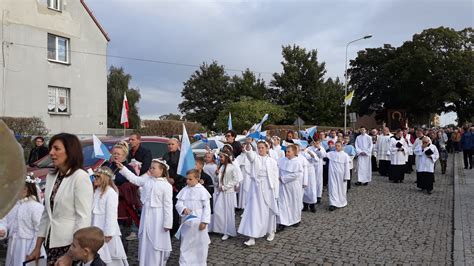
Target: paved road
{"points": [[385, 223]]}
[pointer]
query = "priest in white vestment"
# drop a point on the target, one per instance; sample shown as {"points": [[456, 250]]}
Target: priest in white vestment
{"points": [[364, 146]]}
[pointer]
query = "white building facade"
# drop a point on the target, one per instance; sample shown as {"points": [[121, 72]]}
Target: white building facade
{"points": [[54, 65]]}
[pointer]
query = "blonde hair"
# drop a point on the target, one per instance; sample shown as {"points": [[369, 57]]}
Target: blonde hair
{"points": [[109, 182], [123, 145]]}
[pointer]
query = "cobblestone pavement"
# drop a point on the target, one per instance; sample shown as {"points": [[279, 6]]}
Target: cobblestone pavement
{"points": [[384, 223], [464, 214]]}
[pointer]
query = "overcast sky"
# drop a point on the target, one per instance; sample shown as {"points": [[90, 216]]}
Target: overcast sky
{"points": [[249, 34]]}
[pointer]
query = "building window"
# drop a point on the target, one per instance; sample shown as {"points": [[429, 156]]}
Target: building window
{"points": [[54, 4], [58, 100], [58, 49]]}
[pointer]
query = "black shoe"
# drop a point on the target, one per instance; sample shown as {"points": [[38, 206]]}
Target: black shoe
{"points": [[365, 184], [305, 207], [465, 167], [358, 183], [280, 228], [429, 192], [319, 201], [312, 208], [401, 181], [332, 208], [296, 224]]}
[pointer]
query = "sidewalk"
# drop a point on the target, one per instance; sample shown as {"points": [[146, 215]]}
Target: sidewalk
{"points": [[463, 251]]}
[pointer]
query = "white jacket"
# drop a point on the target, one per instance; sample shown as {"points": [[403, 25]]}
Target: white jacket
{"points": [[23, 219], [104, 212], [230, 178], [72, 208]]}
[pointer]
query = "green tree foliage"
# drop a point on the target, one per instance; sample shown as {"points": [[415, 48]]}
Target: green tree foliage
{"points": [[210, 89], [171, 116], [117, 84], [431, 73], [247, 112], [301, 88]]}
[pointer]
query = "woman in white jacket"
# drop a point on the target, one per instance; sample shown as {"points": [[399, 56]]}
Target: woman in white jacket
{"points": [[259, 217], [104, 216], [157, 213], [223, 220], [21, 224]]}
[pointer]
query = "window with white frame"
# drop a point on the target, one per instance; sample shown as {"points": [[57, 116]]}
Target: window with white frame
{"points": [[58, 48], [54, 4], [58, 100]]}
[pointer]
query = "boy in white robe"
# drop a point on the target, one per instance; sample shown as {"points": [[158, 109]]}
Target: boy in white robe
{"points": [[318, 164], [339, 173], [364, 147], [427, 154], [398, 150], [194, 207], [290, 197]]}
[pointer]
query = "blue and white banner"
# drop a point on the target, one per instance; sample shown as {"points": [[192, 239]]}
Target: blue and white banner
{"points": [[186, 156]]}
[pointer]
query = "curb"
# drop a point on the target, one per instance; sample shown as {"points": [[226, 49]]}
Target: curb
{"points": [[458, 243]]}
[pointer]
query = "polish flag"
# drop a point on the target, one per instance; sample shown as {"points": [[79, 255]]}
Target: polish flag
{"points": [[124, 116]]}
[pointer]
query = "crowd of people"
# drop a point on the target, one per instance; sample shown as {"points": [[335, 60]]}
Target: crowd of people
{"points": [[271, 181]]}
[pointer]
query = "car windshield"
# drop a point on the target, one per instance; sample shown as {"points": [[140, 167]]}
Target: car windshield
{"points": [[87, 151], [202, 145]]}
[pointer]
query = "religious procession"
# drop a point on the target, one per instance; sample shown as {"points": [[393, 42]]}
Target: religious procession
{"points": [[269, 181]]}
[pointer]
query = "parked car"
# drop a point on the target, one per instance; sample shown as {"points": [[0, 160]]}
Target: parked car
{"points": [[199, 147], [157, 145]]}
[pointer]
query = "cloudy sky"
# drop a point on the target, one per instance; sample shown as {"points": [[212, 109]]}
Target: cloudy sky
{"points": [[249, 34]]}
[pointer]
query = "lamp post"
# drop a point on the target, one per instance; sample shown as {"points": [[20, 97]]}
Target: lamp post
{"points": [[345, 85]]}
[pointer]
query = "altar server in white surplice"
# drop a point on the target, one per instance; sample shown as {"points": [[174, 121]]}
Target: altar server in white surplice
{"points": [[290, 197], [21, 224], [339, 173], [157, 213], [310, 191], [364, 147], [318, 164], [104, 216], [223, 220], [259, 217], [194, 207]]}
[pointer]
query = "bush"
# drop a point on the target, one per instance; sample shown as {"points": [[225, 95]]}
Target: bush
{"points": [[168, 128]]}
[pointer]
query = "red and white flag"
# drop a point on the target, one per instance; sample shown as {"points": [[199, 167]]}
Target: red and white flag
{"points": [[124, 117]]}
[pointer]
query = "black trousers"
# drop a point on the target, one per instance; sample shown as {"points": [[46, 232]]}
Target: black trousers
{"points": [[467, 156], [384, 166], [374, 164], [425, 180]]}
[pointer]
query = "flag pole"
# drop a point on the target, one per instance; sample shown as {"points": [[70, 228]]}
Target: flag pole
{"points": [[124, 130]]}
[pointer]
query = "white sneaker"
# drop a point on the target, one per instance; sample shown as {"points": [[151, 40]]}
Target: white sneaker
{"points": [[271, 237], [225, 237], [132, 236], [250, 242]]}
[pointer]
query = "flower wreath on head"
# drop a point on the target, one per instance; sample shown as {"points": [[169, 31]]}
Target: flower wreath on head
{"points": [[30, 178], [101, 171], [264, 142], [163, 162]]}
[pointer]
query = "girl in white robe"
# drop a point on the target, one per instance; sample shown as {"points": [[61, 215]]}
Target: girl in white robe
{"points": [[318, 164], [276, 152], [290, 196], [21, 225], [157, 213], [210, 168], [194, 200], [104, 216], [310, 198], [244, 184], [339, 173], [223, 220], [259, 217]]}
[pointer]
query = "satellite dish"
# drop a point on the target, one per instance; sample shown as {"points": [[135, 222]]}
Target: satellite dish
{"points": [[12, 169]]}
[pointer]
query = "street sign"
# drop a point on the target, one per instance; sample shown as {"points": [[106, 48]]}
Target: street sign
{"points": [[352, 117], [298, 122]]}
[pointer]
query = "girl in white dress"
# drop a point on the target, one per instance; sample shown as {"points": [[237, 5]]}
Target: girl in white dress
{"points": [[21, 224], [259, 217], [104, 216], [157, 214], [223, 220]]}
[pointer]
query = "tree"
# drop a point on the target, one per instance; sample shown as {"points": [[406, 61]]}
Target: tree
{"points": [[117, 85], [247, 86], [301, 88], [431, 73], [247, 112], [171, 116]]}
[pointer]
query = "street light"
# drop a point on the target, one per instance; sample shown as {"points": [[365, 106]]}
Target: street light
{"points": [[345, 85]]}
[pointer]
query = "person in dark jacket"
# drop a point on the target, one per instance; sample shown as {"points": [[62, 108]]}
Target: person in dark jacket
{"points": [[38, 152], [230, 136], [139, 153], [205, 180], [467, 144]]}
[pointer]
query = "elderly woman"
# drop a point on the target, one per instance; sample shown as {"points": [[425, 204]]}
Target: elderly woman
{"points": [[129, 201], [68, 198]]}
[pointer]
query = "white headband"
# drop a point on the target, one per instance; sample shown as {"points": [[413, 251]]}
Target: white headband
{"points": [[162, 162]]}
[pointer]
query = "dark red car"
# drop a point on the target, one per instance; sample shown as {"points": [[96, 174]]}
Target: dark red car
{"points": [[157, 145]]}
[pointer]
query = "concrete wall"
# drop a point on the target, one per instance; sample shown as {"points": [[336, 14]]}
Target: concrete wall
{"points": [[26, 72]]}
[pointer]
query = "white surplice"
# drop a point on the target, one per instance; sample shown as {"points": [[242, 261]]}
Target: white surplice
{"points": [[157, 214], [318, 164], [397, 157], [310, 191], [223, 220], [291, 192], [21, 225], [383, 147], [244, 184], [339, 173], [259, 217], [104, 216], [363, 144], [194, 242]]}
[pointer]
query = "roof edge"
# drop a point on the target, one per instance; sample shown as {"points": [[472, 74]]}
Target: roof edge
{"points": [[95, 20]]}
